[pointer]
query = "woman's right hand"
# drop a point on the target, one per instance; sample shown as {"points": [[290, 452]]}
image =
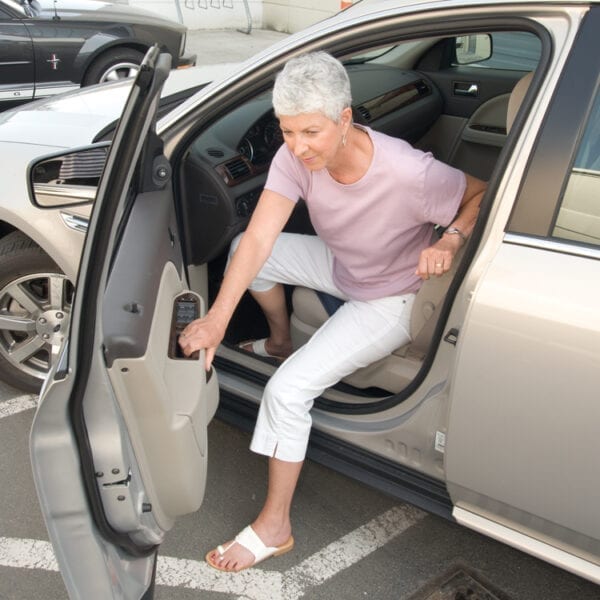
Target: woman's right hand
{"points": [[203, 334]]}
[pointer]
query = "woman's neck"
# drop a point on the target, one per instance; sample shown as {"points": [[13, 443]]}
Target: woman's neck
{"points": [[354, 159]]}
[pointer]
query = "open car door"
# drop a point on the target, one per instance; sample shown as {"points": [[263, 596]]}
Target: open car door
{"points": [[118, 443]]}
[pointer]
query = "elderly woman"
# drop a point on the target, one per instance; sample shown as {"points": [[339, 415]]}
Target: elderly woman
{"points": [[373, 201]]}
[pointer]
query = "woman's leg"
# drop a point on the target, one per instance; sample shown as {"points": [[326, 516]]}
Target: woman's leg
{"points": [[273, 304], [296, 260], [358, 334], [273, 524]]}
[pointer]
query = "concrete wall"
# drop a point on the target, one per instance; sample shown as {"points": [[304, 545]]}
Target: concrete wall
{"points": [[280, 15], [206, 14], [292, 15]]}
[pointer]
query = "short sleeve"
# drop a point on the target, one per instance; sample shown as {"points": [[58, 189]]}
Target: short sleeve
{"points": [[286, 176], [443, 190]]}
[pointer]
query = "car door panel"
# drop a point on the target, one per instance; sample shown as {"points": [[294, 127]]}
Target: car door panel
{"points": [[522, 447], [512, 431], [148, 242], [465, 89], [482, 138], [162, 398], [123, 414]]}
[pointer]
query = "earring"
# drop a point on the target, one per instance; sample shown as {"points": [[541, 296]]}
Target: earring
{"points": [[343, 139]]}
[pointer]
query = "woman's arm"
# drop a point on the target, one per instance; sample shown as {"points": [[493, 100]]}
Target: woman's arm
{"points": [[436, 259], [268, 220]]}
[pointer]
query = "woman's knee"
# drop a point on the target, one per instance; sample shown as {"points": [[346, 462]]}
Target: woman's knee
{"points": [[274, 391], [284, 394]]}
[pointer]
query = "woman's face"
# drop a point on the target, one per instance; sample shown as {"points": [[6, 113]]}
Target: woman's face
{"points": [[314, 138]]}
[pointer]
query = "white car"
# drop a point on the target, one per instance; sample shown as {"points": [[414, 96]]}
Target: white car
{"points": [[41, 241], [489, 416]]}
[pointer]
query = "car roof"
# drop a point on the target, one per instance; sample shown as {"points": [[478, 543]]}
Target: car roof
{"points": [[373, 6]]}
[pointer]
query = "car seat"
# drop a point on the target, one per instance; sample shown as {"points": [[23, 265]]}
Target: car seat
{"points": [[393, 372]]}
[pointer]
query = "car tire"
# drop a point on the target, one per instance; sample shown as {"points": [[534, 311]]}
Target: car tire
{"points": [[35, 308], [112, 65]]}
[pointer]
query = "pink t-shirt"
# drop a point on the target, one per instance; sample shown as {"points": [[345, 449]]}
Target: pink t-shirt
{"points": [[376, 227]]}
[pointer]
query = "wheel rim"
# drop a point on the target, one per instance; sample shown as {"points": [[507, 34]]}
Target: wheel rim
{"points": [[121, 70], [34, 319]]}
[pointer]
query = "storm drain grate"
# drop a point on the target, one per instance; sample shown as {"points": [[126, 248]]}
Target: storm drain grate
{"points": [[460, 583]]}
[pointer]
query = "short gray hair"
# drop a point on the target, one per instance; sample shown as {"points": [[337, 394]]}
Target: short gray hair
{"points": [[313, 82]]}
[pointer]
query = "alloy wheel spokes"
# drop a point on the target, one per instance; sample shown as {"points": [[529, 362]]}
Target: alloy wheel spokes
{"points": [[34, 317]]}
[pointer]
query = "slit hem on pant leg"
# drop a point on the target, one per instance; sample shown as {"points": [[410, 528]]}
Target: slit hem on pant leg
{"points": [[273, 448]]}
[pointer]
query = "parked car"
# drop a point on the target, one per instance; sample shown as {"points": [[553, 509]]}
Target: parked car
{"points": [[489, 416], [52, 46]]}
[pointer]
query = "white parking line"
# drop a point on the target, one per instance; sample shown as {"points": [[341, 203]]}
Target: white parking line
{"points": [[348, 550], [252, 584], [12, 406], [27, 554]]}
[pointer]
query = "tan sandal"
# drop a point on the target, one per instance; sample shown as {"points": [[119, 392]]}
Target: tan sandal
{"points": [[259, 348], [249, 540]]}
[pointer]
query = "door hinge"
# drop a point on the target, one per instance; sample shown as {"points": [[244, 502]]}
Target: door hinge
{"points": [[121, 482]]}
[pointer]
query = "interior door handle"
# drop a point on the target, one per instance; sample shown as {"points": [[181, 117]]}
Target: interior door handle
{"points": [[466, 89]]}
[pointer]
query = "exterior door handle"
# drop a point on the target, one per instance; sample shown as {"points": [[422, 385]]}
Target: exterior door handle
{"points": [[466, 89]]}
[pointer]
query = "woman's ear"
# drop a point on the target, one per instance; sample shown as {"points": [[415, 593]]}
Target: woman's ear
{"points": [[346, 116]]}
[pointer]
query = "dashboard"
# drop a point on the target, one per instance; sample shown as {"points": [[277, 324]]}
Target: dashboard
{"points": [[225, 167], [261, 141]]}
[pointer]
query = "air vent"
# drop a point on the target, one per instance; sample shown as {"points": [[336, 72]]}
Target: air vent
{"points": [[215, 152], [237, 168], [364, 113]]}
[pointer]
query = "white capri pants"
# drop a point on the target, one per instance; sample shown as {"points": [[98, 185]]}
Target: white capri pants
{"points": [[358, 334]]}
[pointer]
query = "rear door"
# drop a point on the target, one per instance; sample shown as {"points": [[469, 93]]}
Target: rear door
{"points": [[522, 448], [118, 443]]}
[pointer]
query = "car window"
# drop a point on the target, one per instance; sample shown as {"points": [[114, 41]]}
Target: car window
{"points": [[579, 214], [514, 50]]}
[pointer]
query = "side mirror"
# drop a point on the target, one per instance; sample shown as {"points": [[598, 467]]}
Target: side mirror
{"points": [[68, 179], [473, 48]]}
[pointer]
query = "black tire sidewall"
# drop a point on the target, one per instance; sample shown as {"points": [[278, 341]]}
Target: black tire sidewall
{"points": [[107, 59]]}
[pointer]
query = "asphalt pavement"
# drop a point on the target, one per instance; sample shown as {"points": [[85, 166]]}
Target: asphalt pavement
{"points": [[352, 542], [226, 46]]}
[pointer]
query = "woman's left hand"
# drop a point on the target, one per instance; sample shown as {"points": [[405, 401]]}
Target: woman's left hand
{"points": [[437, 259]]}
